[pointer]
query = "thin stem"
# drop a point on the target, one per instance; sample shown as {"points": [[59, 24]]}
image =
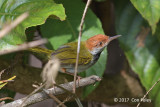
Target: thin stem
{"points": [[79, 42], [148, 92], [6, 98], [57, 100]]}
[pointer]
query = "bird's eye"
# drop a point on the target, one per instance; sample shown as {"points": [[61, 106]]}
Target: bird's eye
{"points": [[100, 43]]}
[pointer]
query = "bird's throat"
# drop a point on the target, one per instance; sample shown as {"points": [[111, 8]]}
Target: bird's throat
{"points": [[96, 57]]}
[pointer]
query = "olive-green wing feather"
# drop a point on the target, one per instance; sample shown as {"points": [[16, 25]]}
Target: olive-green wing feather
{"points": [[68, 53]]}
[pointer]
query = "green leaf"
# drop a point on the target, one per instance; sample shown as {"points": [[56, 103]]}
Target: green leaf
{"points": [[38, 10], [60, 33], [141, 48], [149, 9]]}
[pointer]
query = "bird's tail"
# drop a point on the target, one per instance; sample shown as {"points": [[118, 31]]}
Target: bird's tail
{"points": [[41, 53]]}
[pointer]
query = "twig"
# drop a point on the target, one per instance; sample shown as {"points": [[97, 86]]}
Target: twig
{"points": [[67, 99], [36, 90], [6, 81], [24, 46], [42, 95], [148, 92], [73, 94], [56, 99], [79, 42], [9, 27], [6, 98], [1, 73]]}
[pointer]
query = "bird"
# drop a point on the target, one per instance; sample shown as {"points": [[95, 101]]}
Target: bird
{"points": [[90, 51]]}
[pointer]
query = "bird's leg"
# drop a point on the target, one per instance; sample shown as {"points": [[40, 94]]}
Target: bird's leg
{"points": [[64, 71]]}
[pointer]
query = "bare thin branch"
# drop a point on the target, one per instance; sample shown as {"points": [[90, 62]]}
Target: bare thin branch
{"points": [[6, 98], [1, 73], [79, 43], [9, 27], [148, 92], [73, 95], [57, 100], [7, 81], [42, 95], [35, 91], [24, 46], [67, 99]]}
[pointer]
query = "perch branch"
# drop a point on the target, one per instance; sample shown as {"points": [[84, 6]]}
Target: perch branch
{"points": [[79, 43], [55, 91]]}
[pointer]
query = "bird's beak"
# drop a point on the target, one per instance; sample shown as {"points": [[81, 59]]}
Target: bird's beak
{"points": [[114, 37]]}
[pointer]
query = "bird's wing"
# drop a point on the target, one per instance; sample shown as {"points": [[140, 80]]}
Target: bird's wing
{"points": [[67, 55]]}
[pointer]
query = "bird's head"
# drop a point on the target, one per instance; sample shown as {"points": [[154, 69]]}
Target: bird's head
{"points": [[97, 43]]}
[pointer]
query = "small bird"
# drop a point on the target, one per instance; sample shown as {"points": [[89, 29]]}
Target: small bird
{"points": [[89, 53]]}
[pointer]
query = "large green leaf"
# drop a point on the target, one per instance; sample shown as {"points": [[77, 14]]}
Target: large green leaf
{"points": [[60, 33], [141, 48], [149, 9], [38, 10]]}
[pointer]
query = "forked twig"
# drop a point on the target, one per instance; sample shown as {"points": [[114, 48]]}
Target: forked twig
{"points": [[79, 42], [148, 92], [56, 99], [9, 27], [67, 99], [73, 94]]}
